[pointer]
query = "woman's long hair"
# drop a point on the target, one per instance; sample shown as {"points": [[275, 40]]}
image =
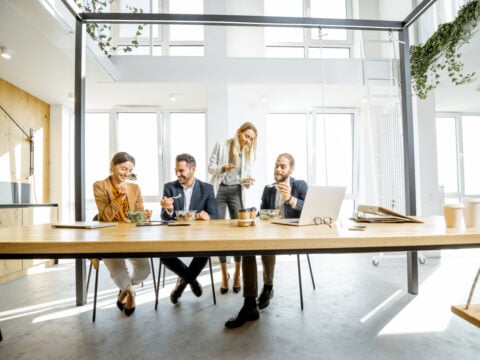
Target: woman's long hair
{"points": [[250, 150]]}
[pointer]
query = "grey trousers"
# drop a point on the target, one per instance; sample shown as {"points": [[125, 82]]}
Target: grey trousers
{"points": [[229, 196]]}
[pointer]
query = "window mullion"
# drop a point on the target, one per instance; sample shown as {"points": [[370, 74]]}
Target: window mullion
{"points": [[460, 162]]}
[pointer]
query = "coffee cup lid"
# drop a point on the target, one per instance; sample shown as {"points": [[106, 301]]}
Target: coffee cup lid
{"points": [[454, 206], [471, 200]]}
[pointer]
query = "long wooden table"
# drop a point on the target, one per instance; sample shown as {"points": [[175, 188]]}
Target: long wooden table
{"points": [[224, 237]]}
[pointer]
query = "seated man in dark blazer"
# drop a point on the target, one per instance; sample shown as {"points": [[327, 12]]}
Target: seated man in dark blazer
{"points": [[287, 195], [187, 193]]}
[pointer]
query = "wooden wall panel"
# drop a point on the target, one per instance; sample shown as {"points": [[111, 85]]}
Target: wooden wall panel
{"points": [[29, 112]]}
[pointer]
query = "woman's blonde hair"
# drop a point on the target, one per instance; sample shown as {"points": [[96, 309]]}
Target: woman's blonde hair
{"points": [[250, 150]]}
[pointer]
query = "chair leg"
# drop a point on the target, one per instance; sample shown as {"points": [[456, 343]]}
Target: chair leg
{"points": [[95, 295], [153, 275], [164, 273], [211, 279], [158, 282], [1, 337], [88, 277], [300, 281], [311, 272]]}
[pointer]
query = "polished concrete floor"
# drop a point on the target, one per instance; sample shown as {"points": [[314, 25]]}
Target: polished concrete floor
{"points": [[358, 311]]}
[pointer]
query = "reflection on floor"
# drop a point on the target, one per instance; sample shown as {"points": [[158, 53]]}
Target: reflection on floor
{"points": [[358, 311]]}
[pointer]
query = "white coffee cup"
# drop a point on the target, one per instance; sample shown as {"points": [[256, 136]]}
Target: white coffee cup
{"points": [[453, 214], [471, 212]]}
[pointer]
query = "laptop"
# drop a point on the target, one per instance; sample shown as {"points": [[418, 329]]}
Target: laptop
{"points": [[320, 202], [83, 224]]}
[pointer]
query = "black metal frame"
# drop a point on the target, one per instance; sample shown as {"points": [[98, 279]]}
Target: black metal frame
{"points": [[238, 20]]}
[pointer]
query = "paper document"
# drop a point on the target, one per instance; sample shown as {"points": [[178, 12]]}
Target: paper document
{"points": [[378, 214]]}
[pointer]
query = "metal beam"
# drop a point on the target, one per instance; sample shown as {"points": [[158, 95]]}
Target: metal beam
{"points": [[71, 8], [240, 20], [79, 156], [407, 123], [418, 11]]}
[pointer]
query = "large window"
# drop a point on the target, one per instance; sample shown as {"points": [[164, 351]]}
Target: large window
{"points": [[457, 151], [153, 138], [160, 40], [308, 43], [322, 145]]}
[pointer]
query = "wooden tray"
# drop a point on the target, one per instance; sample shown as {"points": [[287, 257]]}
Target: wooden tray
{"points": [[472, 315]]}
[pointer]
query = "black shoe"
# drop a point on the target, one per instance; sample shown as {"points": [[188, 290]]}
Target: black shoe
{"points": [[177, 292], [264, 299], [122, 295], [243, 316], [237, 289], [196, 288], [223, 290]]}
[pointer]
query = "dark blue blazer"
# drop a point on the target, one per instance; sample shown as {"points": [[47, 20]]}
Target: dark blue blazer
{"points": [[203, 198], [299, 191]]}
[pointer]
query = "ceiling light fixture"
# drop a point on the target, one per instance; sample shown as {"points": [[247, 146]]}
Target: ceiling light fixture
{"points": [[264, 98], [173, 97], [5, 53]]}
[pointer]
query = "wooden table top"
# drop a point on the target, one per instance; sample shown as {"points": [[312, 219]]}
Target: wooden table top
{"points": [[224, 236]]}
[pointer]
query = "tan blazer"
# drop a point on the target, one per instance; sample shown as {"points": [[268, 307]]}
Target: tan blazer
{"points": [[106, 204]]}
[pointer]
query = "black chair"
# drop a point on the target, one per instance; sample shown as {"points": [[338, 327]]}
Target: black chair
{"points": [[157, 287], [95, 264]]}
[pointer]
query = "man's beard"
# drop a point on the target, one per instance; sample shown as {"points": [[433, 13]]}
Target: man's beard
{"points": [[280, 178]]}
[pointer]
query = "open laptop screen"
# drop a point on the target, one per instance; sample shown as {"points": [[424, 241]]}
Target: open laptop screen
{"points": [[320, 202]]}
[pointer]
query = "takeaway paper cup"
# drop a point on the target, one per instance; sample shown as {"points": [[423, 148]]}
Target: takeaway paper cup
{"points": [[453, 214], [471, 212]]}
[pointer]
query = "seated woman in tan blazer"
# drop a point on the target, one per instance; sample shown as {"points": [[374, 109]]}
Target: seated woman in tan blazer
{"points": [[115, 196]]}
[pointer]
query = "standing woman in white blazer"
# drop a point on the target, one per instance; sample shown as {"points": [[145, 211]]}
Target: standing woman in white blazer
{"points": [[230, 167]]}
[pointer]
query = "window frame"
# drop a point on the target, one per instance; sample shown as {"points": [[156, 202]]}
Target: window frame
{"points": [[311, 155], [308, 41], [460, 168], [162, 40], [165, 171]]}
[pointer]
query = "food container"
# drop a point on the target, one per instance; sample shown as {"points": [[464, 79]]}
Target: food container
{"points": [[244, 223], [247, 181], [186, 215], [136, 216], [268, 214]]}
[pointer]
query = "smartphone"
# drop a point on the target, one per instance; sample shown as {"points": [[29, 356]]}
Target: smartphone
{"points": [[178, 224], [357, 227]]}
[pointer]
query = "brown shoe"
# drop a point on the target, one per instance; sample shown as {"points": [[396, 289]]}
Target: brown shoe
{"points": [[129, 302]]}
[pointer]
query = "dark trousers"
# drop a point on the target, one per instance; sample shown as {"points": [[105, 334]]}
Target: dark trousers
{"points": [[249, 272], [190, 273], [229, 196]]}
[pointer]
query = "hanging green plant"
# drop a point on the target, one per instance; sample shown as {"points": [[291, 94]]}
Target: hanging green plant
{"points": [[440, 52], [100, 33]]}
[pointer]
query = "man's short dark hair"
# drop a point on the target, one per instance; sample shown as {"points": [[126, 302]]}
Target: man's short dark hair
{"points": [[189, 159]]}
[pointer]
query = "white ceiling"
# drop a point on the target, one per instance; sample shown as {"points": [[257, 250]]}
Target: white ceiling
{"points": [[43, 65]]}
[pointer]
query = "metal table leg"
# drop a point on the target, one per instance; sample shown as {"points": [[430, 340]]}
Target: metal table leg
{"points": [[412, 270], [81, 293]]}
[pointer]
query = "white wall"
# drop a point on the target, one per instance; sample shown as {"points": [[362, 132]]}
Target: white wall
{"points": [[61, 161], [429, 198]]}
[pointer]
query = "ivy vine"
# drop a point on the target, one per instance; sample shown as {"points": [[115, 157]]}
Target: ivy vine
{"points": [[440, 52], [101, 33]]}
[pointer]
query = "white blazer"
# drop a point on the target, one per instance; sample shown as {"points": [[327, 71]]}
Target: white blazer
{"points": [[219, 158]]}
